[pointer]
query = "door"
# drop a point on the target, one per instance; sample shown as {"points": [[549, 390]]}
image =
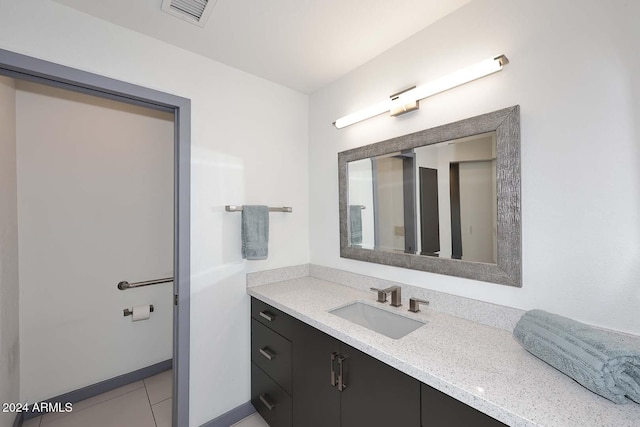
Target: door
{"points": [[316, 401], [376, 394], [31, 69], [429, 216], [456, 227]]}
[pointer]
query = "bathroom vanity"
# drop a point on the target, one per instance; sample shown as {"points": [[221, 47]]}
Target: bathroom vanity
{"points": [[313, 368], [304, 377]]}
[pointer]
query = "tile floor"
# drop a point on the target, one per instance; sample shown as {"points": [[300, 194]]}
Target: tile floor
{"points": [[254, 420], [145, 403]]}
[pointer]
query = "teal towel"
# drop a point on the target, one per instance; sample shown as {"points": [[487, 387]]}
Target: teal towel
{"points": [[605, 362], [255, 232]]}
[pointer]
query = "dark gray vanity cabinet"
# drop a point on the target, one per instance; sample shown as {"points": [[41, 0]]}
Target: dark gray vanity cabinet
{"points": [[302, 377]]}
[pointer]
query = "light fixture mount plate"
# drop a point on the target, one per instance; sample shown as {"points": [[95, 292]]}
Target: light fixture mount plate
{"points": [[400, 108], [502, 59]]}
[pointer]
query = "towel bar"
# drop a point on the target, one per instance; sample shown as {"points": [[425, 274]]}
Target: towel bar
{"points": [[233, 208]]}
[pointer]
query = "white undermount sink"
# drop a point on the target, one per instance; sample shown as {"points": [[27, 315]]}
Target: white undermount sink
{"points": [[378, 320]]}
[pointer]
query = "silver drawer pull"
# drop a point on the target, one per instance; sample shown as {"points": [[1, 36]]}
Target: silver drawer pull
{"points": [[267, 353], [265, 400], [267, 315]]}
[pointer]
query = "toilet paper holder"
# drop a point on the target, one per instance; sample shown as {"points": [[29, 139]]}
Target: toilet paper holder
{"points": [[129, 312]]}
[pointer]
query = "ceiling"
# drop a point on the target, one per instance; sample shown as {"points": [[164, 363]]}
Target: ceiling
{"points": [[302, 44]]}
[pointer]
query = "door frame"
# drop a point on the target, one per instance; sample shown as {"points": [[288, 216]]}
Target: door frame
{"points": [[23, 67]]}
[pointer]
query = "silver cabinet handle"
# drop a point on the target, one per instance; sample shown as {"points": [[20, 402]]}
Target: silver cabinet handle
{"points": [[267, 353], [264, 399], [333, 370], [265, 314], [342, 386]]}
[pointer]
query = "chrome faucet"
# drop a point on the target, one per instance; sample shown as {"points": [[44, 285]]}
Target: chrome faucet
{"points": [[414, 304], [396, 295]]}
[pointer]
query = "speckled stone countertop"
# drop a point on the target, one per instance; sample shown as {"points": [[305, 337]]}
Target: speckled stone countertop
{"points": [[479, 365]]}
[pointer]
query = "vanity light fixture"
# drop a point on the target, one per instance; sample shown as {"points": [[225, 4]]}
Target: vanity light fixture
{"points": [[409, 99]]}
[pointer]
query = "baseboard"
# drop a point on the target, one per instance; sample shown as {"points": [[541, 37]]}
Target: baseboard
{"points": [[233, 416], [104, 386]]}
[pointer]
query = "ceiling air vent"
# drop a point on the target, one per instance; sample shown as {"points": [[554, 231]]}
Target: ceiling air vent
{"points": [[194, 11]]}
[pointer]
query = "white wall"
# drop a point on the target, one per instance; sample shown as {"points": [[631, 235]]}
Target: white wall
{"points": [[476, 210], [361, 193], [574, 72], [9, 313], [390, 204], [95, 203], [242, 127]]}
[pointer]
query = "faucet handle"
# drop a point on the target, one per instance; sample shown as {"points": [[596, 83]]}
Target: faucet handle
{"points": [[414, 304], [396, 295], [382, 294]]}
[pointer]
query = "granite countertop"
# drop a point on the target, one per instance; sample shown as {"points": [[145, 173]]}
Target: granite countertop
{"points": [[479, 365]]}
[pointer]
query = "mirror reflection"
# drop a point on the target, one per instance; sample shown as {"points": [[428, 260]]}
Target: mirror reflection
{"points": [[437, 200]]}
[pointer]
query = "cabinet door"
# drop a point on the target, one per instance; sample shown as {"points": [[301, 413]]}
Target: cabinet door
{"points": [[315, 402], [377, 395], [441, 410]]}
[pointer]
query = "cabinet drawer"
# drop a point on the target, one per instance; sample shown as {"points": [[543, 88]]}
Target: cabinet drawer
{"points": [[269, 399], [272, 353], [275, 319]]}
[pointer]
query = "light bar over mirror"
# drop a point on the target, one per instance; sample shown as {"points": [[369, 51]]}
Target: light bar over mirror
{"points": [[408, 100]]}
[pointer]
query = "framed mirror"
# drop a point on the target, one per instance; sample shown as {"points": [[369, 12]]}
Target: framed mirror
{"points": [[444, 200]]}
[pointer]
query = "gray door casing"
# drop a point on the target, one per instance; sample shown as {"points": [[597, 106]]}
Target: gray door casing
{"points": [[19, 66]]}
